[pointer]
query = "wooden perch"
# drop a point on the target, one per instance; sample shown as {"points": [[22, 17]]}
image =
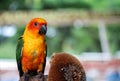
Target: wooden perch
{"points": [[34, 78]]}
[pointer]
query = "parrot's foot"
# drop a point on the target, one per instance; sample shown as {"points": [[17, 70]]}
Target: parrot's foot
{"points": [[26, 77], [40, 75]]}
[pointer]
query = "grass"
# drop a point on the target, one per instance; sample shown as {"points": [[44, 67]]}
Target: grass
{"points": [[7, 50]]}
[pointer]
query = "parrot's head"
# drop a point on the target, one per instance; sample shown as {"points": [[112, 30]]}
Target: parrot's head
{"points": [[37, 26]]}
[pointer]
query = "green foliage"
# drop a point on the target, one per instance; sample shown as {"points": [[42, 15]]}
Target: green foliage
{"points": [[54, 4], [8, 45], [7, 50], [86, 39], [94, 5], [113, 31], [104, 5], [82, 39], [4, 5], [75, 40], [19, 33], [55, 43]]}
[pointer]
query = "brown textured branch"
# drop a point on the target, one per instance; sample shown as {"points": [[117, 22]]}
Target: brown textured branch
{"points": [[65, 67], [34, 78]]}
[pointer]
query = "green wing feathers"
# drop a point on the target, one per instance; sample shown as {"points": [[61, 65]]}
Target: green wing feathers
{"points": [[19, 55]]}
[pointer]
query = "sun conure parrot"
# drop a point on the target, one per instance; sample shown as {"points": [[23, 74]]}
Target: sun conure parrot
{"points": [[32, 49]]}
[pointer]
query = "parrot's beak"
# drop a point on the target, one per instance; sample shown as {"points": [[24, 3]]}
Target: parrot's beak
{"points": [[43, 30]]}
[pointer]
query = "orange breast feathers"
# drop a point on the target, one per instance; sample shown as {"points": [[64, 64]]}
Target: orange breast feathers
{"points": [[33, 53]]}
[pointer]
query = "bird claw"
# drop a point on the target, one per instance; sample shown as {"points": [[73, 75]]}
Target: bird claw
{"points": [[40, 75], [26, 77]]}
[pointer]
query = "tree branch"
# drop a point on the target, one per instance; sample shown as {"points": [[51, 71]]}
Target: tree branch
{"points": [[34, 78]]}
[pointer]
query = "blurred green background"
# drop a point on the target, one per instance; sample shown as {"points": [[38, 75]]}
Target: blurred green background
{"points": [[72, 24]]}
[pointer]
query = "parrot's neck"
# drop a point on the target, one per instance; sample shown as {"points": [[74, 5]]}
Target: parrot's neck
{"points": [[32, 35], [28, 36]]}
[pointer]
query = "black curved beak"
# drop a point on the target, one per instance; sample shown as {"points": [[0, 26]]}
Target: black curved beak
{"points": [[43, 30]]}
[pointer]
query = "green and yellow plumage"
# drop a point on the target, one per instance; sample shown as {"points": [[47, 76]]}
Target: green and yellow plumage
{"points": [[31, 48]]}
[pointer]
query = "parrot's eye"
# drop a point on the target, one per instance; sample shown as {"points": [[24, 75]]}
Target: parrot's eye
{"points": [[36, 24]]}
